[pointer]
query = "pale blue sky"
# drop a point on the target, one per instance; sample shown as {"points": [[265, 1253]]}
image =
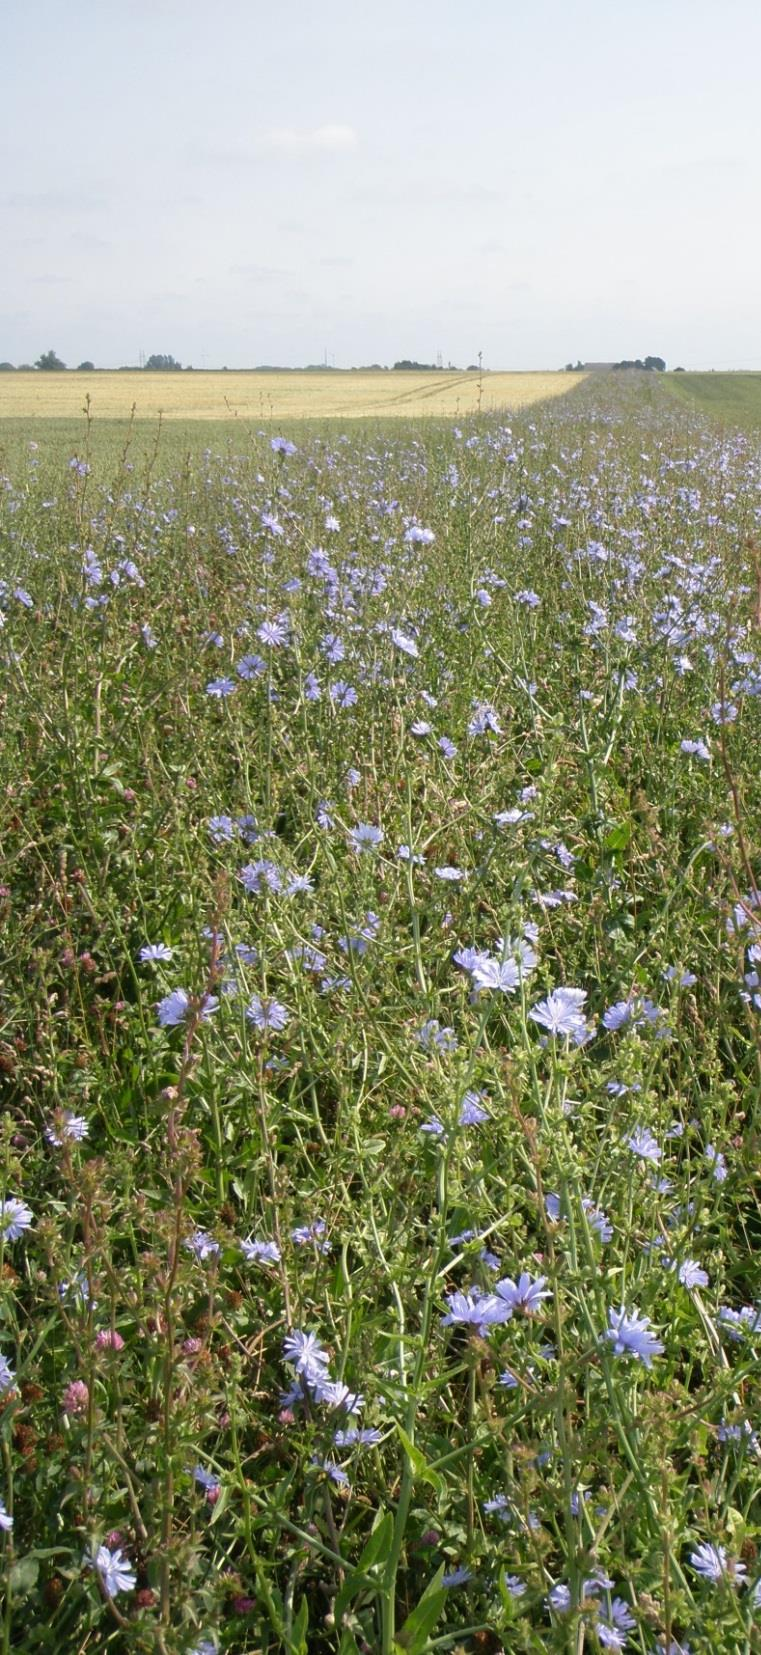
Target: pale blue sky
{"points": [[243, 182]]}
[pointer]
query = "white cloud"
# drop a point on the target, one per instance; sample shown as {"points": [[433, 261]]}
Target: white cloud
{"points": [[294, 141]]}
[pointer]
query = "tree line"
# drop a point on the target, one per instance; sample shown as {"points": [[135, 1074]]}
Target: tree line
{"points": [[50, 362], [158, 362], [650, 364]]}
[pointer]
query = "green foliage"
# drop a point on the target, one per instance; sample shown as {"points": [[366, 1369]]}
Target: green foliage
{"points": [[421, 1621], [48, 362], [145, 1342], [157, 363], [650, 363]]}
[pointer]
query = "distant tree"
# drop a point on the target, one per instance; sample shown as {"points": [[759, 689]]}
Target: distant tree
{"points": [[50, 363], [7, 368], [25, 368], [650, 363], [417, 367], [86, 368], [679, 370], [159, 364]]}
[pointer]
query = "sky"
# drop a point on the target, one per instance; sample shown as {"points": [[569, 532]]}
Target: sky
{"points": [[242, 183]]}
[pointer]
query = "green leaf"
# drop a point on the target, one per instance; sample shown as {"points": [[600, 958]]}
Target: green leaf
{"points": [[373, 1146], [298, 1639], [24, 1575], [737, 1527], [374, 1556], [413, 1636], [421, 1470], [619, 836]]}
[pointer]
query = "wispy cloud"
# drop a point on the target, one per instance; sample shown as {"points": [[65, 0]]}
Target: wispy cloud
{"points": [[55, 201], [259, 272], [91, 243], [291, 140], [421, 193]]}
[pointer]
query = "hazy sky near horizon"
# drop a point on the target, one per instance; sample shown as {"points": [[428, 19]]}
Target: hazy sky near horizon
{"points": [[240, 183]]}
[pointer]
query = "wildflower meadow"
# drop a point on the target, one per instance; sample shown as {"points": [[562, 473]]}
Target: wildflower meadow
{"points": [[379, 1037]]}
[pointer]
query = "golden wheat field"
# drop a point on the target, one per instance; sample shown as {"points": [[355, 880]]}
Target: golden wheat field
{"points": [[272, 396]]}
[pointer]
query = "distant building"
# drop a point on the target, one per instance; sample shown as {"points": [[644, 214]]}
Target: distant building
{"points": [[597, 367]]}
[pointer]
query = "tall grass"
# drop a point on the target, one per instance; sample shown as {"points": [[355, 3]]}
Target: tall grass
{"points": [[370, 1290]]}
